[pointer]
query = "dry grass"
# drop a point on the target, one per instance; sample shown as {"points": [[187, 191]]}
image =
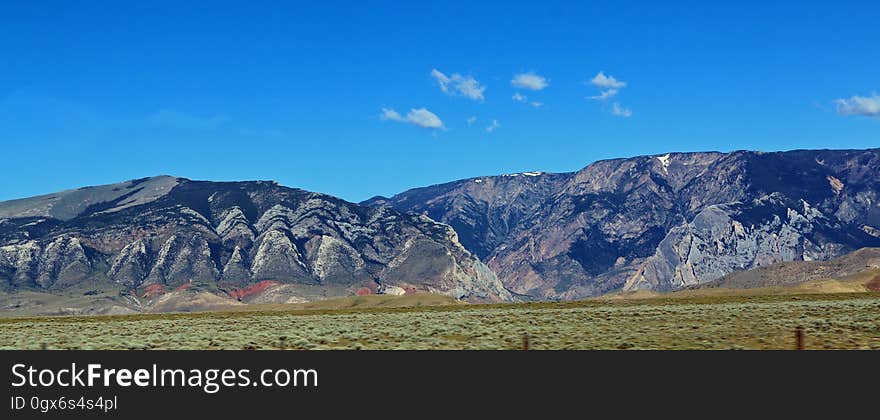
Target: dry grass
{"points": [[829, 321], [360, 302]]}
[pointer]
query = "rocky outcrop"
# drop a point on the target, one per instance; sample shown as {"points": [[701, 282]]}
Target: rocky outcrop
{"points": [[183, 258], [715, 244], [56, 263], [131, 265], [236, 272], [20, 262], [277, 256]]}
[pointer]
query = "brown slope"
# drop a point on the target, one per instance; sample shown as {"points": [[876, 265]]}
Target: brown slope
{"points": [[860, 265]]}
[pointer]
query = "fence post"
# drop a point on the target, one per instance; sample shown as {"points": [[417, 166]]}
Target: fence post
{"points": [[799, 337]]}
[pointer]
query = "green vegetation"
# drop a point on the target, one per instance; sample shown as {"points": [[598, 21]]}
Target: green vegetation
{"points": [[829, 321]]}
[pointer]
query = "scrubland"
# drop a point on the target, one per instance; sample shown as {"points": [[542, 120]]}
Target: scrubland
{"points": [[833, 321]]}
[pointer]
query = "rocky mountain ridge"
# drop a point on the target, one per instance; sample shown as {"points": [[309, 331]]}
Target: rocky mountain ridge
{"points": [[157, 235], [659, 222]]}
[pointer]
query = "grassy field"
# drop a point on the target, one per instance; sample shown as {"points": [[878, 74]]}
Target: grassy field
{"points": [[832, 321]]}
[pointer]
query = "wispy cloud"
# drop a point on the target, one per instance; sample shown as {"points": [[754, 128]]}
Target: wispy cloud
{"points": [[471, 120], [390, 115], [609, 87], [529, 81], [457, 84], [867, 106], [493, 126], [602, 81], [420, 117], [620, 111], [605, 94], [518, 97], [184, 120]]}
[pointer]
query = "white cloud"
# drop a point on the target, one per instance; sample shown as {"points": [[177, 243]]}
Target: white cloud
{"points": [[602, 81], [492, 127], [868, 106], [420, 117], [471, 120], [424, 118], [609, 87], [390, 115], [529, 81], [457, 84], [517, 97], [620, 111], [605, 94]]}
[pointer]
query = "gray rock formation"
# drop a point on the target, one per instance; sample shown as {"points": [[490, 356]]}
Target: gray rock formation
{"points": [[659, 222], [166, 233]]}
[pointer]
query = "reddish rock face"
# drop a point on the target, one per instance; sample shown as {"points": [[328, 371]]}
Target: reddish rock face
{"points": [[253, 289], [363, 291], [183, 287], [152, 290]]}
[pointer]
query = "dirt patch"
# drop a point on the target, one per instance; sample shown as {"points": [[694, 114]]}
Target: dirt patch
{"points": [[874, 284]]}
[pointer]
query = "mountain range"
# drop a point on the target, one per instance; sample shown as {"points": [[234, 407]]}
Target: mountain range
{"points": [[661, 223]]}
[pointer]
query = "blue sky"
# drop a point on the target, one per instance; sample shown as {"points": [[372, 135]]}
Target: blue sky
{"points": [[333, 97]]}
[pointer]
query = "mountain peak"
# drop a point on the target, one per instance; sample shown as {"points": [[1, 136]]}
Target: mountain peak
{"points": [[68, 204]]}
